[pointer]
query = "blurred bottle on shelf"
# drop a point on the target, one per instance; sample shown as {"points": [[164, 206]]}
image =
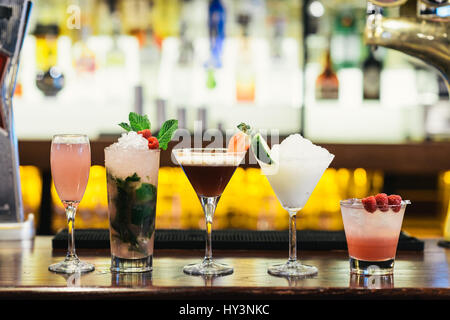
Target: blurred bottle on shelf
{"points": [[84, 60], [115, 57], [371, 77], [442, 87], [135, 18], [346, 43], [216, 28], [278, 27], [245, 72], [327, 83], [49, 78], [165, 19]]}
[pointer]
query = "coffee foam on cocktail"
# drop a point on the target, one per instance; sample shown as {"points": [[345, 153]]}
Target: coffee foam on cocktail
{"points": [[208, 159]]}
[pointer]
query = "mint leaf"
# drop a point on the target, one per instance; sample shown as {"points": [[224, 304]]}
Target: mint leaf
{"points": [[245, 128], [140, 212], [138, 122], [146, 192], [125, 126], [133, 178], [166, 133]]}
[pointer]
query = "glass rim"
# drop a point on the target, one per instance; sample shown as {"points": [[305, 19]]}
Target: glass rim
{"points": [[70, 135], [357, 204], [200, 151], [158, 150]]}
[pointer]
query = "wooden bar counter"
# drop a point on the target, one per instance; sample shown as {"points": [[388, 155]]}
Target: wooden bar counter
{"points": [[24, 275]]}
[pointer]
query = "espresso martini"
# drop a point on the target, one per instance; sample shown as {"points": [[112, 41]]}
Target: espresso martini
{"points": [[209, 180], [208, 171]]}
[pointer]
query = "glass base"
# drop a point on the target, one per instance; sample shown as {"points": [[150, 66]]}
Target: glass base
{"points": [[208, 268], [72, 265], [292, 269], [371, 267], [131, 265]]}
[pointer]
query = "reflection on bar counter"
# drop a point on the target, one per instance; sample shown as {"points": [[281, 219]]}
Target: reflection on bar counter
{"points": [[264, 60]]}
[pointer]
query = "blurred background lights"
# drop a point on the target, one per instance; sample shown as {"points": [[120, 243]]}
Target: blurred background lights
{"points": [[316, 9]]}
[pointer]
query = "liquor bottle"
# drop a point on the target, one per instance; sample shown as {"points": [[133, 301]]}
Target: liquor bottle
{"points": [[83, 56], [135, 19], [327, 83], [277, 18], [186, 47], [245, 73], [165, 17], [346, 41], [49, 78], [216, 26], [115, 56], [371, 77]]}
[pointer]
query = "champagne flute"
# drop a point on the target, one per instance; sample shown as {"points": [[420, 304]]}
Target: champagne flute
{"points": [[70, 159]]}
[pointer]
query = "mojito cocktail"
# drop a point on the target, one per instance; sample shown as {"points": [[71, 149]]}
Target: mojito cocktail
{"points": [[132, 166]]}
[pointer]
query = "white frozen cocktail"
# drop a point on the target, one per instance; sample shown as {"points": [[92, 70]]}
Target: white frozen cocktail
{"points": [[293, 169]]}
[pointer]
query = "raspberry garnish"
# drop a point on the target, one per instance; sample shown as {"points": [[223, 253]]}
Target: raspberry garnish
{"points": [[370, 204], [382, 201], [153, 143], [395, 201], [145, 133]]}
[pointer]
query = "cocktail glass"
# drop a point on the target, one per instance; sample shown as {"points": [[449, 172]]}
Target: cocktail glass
{"points": [[132, 180], [209, 171], [372, 238], [293, 180], [70, 159]]}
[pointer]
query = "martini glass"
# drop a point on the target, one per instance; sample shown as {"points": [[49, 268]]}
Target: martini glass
{"points": [[209, 171], [293, 180]]}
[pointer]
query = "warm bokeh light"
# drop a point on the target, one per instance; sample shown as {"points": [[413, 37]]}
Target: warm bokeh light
{"points": [[31, 183], [247, 203]]}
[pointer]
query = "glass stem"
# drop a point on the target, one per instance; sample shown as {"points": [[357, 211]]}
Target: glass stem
{"points": [[209, 207], [70, 213], [292, 236]]}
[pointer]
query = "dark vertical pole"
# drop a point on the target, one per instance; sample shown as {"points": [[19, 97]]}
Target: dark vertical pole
{"points": [[45, 211]]}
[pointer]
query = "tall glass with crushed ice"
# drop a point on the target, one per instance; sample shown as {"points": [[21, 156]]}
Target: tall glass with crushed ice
{"points": [[132, 181]]}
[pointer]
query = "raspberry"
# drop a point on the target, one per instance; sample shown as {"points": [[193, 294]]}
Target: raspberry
{"points": [[382, 201], [145, 133], [370, 204], [395, 202], [153, 143]]}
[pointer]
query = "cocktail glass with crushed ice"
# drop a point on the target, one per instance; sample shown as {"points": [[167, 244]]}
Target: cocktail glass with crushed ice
{"points": [[372, 237], [293, 169], [132, 180]]}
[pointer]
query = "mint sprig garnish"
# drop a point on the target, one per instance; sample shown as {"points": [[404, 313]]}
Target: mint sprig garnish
{"points": [[166, 133], [139, 123], [245, 128], [126, 126]]}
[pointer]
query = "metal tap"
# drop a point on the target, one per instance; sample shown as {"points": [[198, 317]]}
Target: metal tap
{"points": [[425, 35], [14, 16]]}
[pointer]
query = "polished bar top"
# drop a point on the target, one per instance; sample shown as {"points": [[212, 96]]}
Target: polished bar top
{"points": [[24, 274]]}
